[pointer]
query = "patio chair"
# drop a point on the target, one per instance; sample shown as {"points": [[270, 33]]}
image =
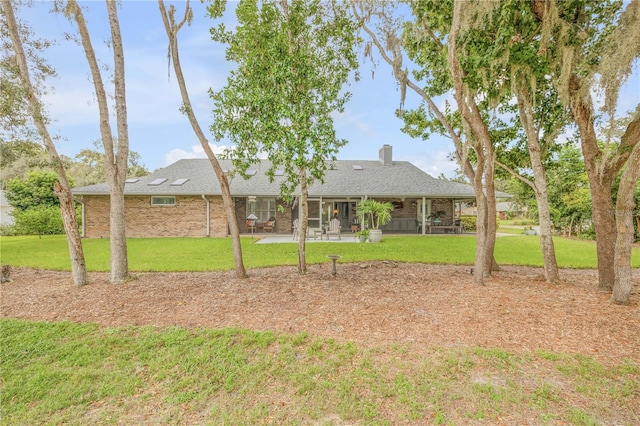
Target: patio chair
{"points": [[269, 224], [296, 228], [334, 228]]}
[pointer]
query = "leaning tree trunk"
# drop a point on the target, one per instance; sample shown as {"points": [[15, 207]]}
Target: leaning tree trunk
{"points": [[304, 201], [172, 28], [62, 188]]}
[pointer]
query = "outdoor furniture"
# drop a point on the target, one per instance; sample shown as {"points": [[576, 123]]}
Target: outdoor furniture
{"points": [[334, 228], [296, 228], [456, 229], [268, 225], [251, 225]]}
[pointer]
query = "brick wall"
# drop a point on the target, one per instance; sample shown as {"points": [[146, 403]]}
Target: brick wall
{"points": [[187, 218]]}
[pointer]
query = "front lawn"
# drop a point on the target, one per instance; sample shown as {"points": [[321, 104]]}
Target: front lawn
{"points": [[65, 373], [206, 254]]}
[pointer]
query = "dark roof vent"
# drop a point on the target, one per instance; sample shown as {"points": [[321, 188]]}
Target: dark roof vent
{"points": [[386, 157]]}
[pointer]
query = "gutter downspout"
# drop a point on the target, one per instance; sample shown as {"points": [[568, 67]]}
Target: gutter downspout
{"points": [[82, 216], [208, 215]]}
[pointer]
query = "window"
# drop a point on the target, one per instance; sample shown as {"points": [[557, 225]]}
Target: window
{"points": [[132, 180], [179, 182], [356, 167], [163, 201], [157, 182], [263, 208]]}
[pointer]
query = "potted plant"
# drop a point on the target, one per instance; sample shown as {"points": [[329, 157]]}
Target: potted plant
{"points": [[362, 236], [437, 216], [377, 214]]}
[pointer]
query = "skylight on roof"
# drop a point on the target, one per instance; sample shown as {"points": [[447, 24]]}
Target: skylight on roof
{"points": [[179, 182], [279, 172], [251, 172], [357, 167], [132, 180], [157, 182]]}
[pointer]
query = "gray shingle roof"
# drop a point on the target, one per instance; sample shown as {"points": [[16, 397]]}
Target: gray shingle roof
{"points": [[400, 179]]}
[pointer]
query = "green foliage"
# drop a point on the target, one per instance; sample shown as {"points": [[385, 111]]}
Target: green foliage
{"points": [[18, 157], [34, 191], [377, 213], [39, 220], [292, 66], [468, 223], [87, 168]]}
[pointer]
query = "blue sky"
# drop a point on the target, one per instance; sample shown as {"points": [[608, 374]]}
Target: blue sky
{"points": [[162, 135]]}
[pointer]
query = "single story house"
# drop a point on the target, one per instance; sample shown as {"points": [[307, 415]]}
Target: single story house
{"points": [[184, 198]]}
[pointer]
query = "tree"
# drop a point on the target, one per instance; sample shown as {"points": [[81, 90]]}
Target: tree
{"points": [[115, 157], [430, 41], [507, 43], [87, 167], [172, 28], [36, 190], [584, 40], [36, 113], [17, 157], [293, 60]]}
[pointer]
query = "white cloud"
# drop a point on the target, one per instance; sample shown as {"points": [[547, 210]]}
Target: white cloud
{"points": [[435, 163], [196, 152]]}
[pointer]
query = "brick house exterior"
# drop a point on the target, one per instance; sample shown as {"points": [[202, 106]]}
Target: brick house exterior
{"points": [[184, 199]]}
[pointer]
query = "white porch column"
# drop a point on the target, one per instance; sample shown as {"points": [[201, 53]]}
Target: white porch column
{"points": [[424, 215]]}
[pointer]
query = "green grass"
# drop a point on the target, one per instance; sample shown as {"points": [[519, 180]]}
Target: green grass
{"points": [[74, 374], [205, 254]]}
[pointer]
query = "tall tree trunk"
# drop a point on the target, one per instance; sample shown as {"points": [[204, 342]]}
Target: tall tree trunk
{"points": [[625, 206], [304, 202], [172, 28], [486, 228], [115, 169], [118, 234], [62, 188], [492, 215], [600, 181], [525, 109]]}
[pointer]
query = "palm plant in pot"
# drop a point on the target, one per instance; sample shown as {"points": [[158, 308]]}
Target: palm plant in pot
{"points": [[377, 214]]}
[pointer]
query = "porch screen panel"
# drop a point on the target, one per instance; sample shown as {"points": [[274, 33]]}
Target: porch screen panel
{"points": [[263, 208]]}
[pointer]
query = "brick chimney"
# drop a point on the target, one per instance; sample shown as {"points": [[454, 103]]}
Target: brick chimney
{"points": [[386, 157]]}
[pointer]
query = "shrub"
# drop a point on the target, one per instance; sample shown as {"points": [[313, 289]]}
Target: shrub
{"points": [[468, 222], [7, 230], [41, 220]]}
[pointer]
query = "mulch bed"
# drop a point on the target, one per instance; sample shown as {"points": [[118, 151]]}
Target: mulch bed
{"points": [[374, 303]]}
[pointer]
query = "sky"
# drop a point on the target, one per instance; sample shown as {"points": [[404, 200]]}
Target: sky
{"points": [[163, 135]]}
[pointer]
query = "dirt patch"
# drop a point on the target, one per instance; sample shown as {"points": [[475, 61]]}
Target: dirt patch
{"points": [[373, 303]]}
